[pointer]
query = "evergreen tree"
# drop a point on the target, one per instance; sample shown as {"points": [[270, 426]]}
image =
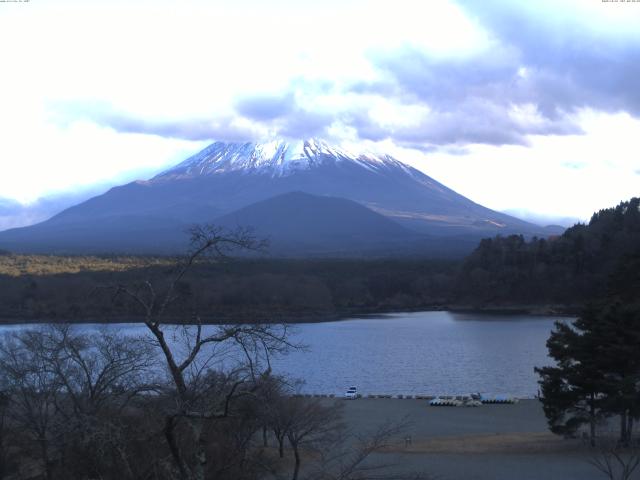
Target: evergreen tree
{"points": [[620, 363], [597, 372], [572, 391]]}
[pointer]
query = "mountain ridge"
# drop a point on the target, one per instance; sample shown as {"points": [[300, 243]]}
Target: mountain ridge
{"points": [[226, 177]]}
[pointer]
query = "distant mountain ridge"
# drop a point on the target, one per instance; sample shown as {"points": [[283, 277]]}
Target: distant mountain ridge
{"points": [[297, 221], [226, 177]]}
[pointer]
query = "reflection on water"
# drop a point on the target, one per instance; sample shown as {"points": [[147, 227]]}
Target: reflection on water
{"points": [[412, 353]]}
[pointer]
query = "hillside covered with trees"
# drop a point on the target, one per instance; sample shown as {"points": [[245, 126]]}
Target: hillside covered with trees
{"points": [[37, 288], [564, 270]]}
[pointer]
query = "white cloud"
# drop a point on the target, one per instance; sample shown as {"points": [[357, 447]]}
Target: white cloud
{"points": [[176, 61], [46, 159], [555, 176]]}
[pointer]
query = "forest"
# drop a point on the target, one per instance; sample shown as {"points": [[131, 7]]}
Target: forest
{"points": [[503, 273], [72, 289], [564, 270]]}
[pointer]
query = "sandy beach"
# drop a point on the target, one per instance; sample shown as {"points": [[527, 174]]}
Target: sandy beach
{"points": [[491, 442]]}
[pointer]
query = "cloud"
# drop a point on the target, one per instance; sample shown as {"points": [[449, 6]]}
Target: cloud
{"points": [[490, 98], [574, 165], [282, 115], [226, 128], [544, 220], [305, 123], [256, 118], [15, 214], [541, 177], [493, 72], [223, 127], [461, 121], [266, 107], [8, 206], [536, 74], [576, 58], [532, 79]]}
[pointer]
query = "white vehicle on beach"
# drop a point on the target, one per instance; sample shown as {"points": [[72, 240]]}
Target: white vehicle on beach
{"points": [[352, 393]]}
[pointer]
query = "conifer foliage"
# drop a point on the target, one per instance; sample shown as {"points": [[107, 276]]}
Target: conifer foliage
{"points": [[597, 371]]}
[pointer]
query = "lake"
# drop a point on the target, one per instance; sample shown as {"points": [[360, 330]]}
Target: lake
{"points": [[415, 353], [424, 352]]}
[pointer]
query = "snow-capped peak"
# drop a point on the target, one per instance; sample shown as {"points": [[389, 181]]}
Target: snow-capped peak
{"points": [[274, 158]]}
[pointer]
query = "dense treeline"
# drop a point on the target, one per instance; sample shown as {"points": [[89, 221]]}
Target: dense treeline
{"points": [[265, 289], [564, 270]]}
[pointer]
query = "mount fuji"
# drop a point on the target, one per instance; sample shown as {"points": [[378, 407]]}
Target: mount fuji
{"points": [[403, 209]]}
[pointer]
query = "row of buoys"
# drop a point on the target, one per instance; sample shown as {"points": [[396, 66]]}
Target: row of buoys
{"points": [[315, 395], [473, 400], [371, 395], [401, 396], [499, 399], [435, 401]]}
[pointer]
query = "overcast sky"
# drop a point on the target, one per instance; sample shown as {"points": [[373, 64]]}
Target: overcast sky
{"points": [[531, 107]]}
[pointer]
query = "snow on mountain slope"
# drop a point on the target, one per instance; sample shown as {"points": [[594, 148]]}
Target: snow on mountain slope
{"points": [[276, 158]]}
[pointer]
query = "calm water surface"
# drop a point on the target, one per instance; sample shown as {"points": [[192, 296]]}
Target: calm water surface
{"points": [[412, 353], [423, 352]]}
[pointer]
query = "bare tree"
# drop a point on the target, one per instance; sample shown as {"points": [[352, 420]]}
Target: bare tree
{"points": [[96, 371], [351, 457], [198, 349], [270, 389], [100, 375], [7, 462], [32, 392], [278, 418], [614, 460], [274, 394], [309, 424], [68, 389]]}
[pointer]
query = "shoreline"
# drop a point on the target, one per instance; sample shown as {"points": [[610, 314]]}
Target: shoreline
{"points": [[320, 317], [534, 310], [490, 442]]}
